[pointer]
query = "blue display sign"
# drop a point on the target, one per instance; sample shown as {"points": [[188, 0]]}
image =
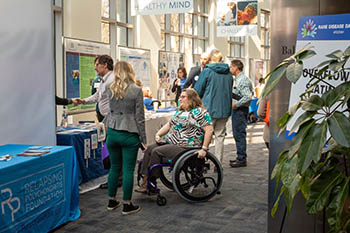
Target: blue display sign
{"points": [[325, 27]]}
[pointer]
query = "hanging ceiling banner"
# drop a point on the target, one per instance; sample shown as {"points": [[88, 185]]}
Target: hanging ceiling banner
{"points": [[154, 7], [236, 18]]}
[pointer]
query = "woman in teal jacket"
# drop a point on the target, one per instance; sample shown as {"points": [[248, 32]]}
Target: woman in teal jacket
{"points": [[214, 86]]}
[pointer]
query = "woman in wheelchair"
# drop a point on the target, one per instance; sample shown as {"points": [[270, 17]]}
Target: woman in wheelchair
{"points": [[190, 127]]}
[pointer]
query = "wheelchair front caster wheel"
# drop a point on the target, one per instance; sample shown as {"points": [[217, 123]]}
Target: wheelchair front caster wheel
{"points": [[161, 201]]}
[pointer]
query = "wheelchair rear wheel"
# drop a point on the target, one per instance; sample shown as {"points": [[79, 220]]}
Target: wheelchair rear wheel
{"points": [[197, 180], [166, 177]]}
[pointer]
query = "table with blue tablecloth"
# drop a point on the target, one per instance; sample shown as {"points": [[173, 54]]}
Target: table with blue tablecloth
{"points": [[38, 193], [90, 169]]}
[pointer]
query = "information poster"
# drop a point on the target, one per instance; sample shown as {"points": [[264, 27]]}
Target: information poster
{"points": [[326, 34], [140, 60], [168, 64], [237, 18], [79, 64], [152, 7]]}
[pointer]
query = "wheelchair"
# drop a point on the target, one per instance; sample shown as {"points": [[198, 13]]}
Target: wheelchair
{"points": [[193, 179]]}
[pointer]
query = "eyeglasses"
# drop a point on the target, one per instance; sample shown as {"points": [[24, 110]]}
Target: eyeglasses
{"points": [[182, 96]]}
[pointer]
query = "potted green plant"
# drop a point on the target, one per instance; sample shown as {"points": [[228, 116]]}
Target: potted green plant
{"points": [[315, 163]]}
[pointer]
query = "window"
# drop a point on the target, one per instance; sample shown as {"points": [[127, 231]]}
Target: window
{"points": [[124, 23], [105, 26], [188, 31], [265, 34], [236, 47]]}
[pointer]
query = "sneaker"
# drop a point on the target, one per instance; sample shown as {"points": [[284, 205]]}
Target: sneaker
{"points": [[113, 204], [130, 209]]}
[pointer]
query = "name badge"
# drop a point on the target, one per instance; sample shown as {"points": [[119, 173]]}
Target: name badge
{"points": [[96, 85], [185, 114]]}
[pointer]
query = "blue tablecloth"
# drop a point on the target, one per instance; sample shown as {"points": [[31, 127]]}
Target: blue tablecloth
{"points": [[253, 107], [37, 194], [94, 169]]}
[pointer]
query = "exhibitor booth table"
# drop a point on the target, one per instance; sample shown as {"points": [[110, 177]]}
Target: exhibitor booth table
{"points": [[90, 165], [38, 193]]}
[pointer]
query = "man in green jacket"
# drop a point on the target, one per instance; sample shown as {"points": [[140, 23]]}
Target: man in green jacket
{"points": [[214, 86]]}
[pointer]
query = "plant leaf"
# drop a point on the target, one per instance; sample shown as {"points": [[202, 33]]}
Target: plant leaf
{"points": [[334, 66], [339, 127], [300, 51], [306, 54], [347, 52], [305, 182], [276, 170], [320, 190], [289, 171], [311, 147], [299, 137], [273, 79], [291, 190], [284, 120], [337, 202], [275, 206], [292, 110], [306, 116], [336, 54], [322, 64], [334, 95], [314, 103], [294, 71]]}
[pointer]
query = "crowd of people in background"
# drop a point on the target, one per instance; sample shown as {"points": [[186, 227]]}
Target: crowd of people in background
{"points": [[206, 98]]}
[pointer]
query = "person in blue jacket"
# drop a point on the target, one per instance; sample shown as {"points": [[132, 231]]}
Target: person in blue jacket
{"points": [[214, 86]]}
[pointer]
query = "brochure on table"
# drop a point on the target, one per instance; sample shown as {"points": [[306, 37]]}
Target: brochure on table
{"points": [[79, 67], [326, 34]]}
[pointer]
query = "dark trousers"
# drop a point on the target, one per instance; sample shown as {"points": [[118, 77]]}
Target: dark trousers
{"points": [[100, 117], [156, 154], [239, 129]]}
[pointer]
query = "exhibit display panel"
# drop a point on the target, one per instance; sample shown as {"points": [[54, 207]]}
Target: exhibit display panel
{"points": [[79, 67], [140, 60]]}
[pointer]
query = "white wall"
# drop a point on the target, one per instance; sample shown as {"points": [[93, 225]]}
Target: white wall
{"points": [[27, 76], [82, 19]]}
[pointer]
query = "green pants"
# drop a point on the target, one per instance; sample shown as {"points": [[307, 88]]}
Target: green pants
{"points": [[122, 147]]}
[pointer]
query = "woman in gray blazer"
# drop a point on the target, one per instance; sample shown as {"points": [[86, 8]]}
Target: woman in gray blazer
{"points": [[126, 130]]}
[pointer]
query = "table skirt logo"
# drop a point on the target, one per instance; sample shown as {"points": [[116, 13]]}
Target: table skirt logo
{"points": [[13, 203], [309, 29]]}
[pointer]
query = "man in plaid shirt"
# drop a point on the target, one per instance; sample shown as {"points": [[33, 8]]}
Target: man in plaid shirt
{"points": [[242, 93]]}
